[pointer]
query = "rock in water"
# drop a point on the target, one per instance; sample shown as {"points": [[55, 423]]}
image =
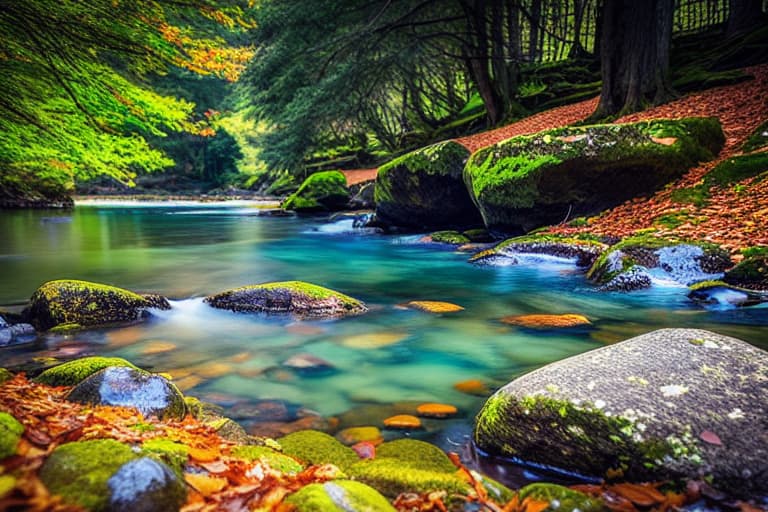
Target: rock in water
{"points": [[645, 408], [152, 395], [321, 191], [73, 303], [424, 189], [294, 297], [534, 180]]}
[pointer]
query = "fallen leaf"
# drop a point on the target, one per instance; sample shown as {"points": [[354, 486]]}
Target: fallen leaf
{"points": [[205, 484], [710, 437]]}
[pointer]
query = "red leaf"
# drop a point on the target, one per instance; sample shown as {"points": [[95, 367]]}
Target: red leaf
{"points": [[710, 437]]}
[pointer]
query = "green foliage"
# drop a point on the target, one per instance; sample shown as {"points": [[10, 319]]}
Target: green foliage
{"points": [[758, 139]]}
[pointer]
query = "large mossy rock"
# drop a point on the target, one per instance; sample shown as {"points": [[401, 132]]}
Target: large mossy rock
{"points": [[152, 395], [315, 447], [321, 191], [10, 434], [73, 303], [424, 189], [752, 271], [103, 474], [293, 297], [74, 372], [673, 403], [535, 180], [582, 251]]}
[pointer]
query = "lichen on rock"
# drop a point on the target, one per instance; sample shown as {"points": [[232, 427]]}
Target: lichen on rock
{"points": [[84, 304], [293, 297]]}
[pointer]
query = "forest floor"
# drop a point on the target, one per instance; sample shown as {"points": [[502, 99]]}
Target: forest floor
{"points": [[734, 217]]}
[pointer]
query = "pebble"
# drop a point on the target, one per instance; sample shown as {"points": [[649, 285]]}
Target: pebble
{"points": [[472, 387], [403, 421], [433, 410], [431, 306], [547, 321], [355, 435]]}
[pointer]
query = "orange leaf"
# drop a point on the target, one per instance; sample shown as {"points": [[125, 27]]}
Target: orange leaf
{"points": [[644, 495], [216, 466], [204, 454], [531, 505], [205, 484]]}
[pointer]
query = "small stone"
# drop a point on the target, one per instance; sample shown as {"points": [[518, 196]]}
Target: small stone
{"points": [[158, 347], [365, 450], [308, 364], [403, 421], [472, 387], [432, 410], [373, 340], [354, 435], [431, 306], [547, 321]]}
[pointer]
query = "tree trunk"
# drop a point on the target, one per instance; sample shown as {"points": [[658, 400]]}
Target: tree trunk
{"points": [[744, 16], [533, 40], [634, 50], [577, 49]]}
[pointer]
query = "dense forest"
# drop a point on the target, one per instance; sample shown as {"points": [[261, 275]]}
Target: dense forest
{"points": [[257, 95]]}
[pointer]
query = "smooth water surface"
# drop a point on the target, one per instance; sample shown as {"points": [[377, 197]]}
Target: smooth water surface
{"points": [[389, 355]]}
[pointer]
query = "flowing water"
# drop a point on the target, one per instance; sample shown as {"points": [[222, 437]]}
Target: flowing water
{"points": [[391, 355]]}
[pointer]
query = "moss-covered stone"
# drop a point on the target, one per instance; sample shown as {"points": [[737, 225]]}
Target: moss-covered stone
{"points": [[321, 191], [392, 477], [534, 180], [80, 471], [67, 302], [751, 272], [424, 189], [758, 138], [73, 372], [7, 484], [584, 250], [146, 485], [294, 297], [167, 451], [10, 434], [449, 237], [151, 394], [5, 376], [314, 447], [417, 454], [270, 456], [478, 235], [738, 168], [685, 261], [638, 408], [560, 499], [340, 496]]}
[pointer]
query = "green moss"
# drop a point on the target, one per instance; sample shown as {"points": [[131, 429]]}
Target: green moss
{"points": [[758, 139], [673, 220], [169, 452], [314, 447], [449, 237], [272, 457], [312, 291], [393, 477], [417, 454], [339, 495], [441, 159], [79, 471], [66, 328], [73, 372], [560, 499], [569, 430], [10, 434], [703, 285], [325, 190], [737, 169], [752, 271], [5, 376], [67, 302], [697, 196], [7, 483], [480, 235]]}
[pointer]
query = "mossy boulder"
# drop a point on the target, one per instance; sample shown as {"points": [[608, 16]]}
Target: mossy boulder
{"points": [[152, 395], [583, 251], [752, 271], [273, 458], [424, 189], [10, 434], [321, 191], [339, 496], [146, 485], [293, 297], [5, 376], [80, 471], [536, 180], [69, 302], [73, 372], [560, 499], [315, 447], [449, 237], [722, 293], [627, 265], [673, 403]]}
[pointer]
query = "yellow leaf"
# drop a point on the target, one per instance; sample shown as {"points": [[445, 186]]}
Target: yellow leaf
{"points": [[204, 454], [204, 484]]}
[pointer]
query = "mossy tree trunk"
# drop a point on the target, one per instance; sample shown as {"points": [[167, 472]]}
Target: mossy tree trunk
{"points": [[744, 15], [634, 52]]}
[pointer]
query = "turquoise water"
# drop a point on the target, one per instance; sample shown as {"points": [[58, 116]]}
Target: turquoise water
{"points": [[391, 355]]}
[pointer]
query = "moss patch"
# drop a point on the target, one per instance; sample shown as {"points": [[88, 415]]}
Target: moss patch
{"points": [[339, 495], [449, 237], [752, 271], [314, 447], [68, 302], [737, 169], [417, 454], [73, 372], [287, 297], [79, 471], [392, 477], [560, 499], [167, 451], [273, 458], [321, 191], [5, 376], [758, 139], [10, 434]]}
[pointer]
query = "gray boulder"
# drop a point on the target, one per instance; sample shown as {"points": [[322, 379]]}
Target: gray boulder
{"points": [[145, 485], [673, 403], [152, 395]]}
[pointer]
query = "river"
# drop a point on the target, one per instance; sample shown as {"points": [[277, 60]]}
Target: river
{"points": [[391, 355]]}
